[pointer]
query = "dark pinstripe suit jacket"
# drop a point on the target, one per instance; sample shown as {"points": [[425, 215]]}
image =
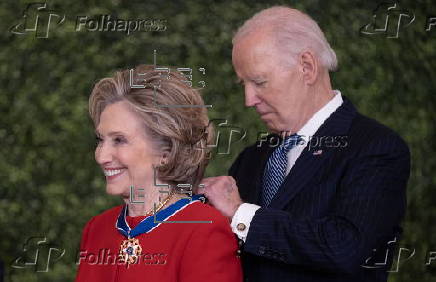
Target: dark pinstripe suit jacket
{"points": [[337, 210]]}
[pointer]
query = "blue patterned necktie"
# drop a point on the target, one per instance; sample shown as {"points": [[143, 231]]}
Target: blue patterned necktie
{"points": [[275, 169]]}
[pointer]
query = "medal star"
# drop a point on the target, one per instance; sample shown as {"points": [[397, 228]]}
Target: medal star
{"points": [[130, 250]]}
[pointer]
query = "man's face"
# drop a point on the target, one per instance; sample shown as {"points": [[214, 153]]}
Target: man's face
{"points": [[276, 91]]}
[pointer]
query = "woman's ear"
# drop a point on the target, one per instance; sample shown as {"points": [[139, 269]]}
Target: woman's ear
{"points": [[164, 158]]}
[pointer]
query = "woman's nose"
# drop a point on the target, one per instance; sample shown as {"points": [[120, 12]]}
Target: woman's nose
{"points": [[103, 154]]}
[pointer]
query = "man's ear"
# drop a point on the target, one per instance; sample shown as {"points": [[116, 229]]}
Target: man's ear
{"points": [[309, 67]]}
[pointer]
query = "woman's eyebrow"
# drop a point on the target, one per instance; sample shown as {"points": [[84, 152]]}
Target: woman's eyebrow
{"points": [[112, 133]]}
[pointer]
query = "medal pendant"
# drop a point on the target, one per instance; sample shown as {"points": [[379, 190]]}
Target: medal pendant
{"points": [[130, 251]]}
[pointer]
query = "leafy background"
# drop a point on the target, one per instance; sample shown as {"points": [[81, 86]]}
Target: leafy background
{"points": [[49, 182]]}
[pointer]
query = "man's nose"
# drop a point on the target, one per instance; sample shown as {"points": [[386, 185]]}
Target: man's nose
{"points": [[251, 98]]}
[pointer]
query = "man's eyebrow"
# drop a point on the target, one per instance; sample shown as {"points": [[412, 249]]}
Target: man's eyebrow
{"points": [[254, 78], [258, 77], [238, 80]]}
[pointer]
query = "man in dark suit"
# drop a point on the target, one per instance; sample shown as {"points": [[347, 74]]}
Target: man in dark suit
{"points": [[322, 198]]}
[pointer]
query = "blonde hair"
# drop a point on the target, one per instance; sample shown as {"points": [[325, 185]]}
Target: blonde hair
{"points": [[292, 32], [173, 113]]}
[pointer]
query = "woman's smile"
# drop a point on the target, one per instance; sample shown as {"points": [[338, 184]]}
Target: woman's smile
{"points": [[112, 173]]}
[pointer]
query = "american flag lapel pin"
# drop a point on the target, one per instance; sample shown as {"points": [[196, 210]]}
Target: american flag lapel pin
{"points": [[317, 152]]}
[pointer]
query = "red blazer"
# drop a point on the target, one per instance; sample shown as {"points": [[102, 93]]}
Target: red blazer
{"points": [[170, 251]]}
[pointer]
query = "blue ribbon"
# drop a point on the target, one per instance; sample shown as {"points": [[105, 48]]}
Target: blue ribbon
{"points": [[149, 223]]}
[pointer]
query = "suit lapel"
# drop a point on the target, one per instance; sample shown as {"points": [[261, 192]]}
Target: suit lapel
{"points": [[312, 159]]}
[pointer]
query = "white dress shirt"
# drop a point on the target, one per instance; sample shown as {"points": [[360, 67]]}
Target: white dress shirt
{"points": [[244, 214]]}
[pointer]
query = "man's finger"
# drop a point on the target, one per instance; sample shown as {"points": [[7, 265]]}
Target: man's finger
{"points": [[201, 190], [205, 182]]}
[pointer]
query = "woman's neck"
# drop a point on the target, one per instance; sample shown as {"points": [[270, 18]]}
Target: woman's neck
{"points": [[144, 203]]}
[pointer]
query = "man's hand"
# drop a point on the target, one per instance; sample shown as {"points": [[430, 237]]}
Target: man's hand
{"points": [[222, 193]]}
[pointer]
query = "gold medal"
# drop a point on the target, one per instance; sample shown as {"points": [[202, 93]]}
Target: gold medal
{"points": [[130, 251]]}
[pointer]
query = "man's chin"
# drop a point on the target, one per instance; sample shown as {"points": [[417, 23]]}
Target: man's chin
{"points": [[271, 128]]}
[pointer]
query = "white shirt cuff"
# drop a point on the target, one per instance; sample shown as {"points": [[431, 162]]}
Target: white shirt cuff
{"points": [[242, 219]]}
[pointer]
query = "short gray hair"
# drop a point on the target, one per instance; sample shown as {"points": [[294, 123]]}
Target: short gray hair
{"points": [[185, 132], [293, 33]]}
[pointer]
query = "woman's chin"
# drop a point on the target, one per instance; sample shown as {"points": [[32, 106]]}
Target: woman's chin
{"points": [[116, 190]]}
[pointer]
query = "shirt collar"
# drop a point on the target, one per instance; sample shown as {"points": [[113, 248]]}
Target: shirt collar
{"points": [[315, 122]]}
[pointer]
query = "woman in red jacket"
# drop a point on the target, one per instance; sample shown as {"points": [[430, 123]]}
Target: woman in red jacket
{"points": [[153, 136]]}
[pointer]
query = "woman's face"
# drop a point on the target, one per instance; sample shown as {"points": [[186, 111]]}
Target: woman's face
{"points": [[123, 151]]}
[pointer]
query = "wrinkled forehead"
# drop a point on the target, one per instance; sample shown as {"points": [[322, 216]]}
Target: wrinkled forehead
{"points": [[119, 117], [255, 53], [255, 43]]}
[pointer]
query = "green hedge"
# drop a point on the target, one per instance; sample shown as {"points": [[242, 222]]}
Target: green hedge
{"points": [[49, 182]]}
